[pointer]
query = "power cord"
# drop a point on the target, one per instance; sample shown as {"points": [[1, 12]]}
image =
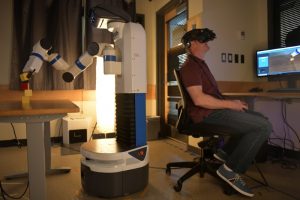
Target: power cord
{"points": [[93, 132], [286, 142], [4, 194], [284, 116], [14, 131]]}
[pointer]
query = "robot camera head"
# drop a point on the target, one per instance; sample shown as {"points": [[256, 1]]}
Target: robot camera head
{"points": [[201, 35]]}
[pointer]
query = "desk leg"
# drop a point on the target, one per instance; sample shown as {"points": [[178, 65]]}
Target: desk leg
{"points": [[36, 160], [47, 141], [47, 148]]}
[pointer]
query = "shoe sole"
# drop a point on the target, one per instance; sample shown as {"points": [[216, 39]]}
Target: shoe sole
{"points": [[233, 186], [218, 158]]}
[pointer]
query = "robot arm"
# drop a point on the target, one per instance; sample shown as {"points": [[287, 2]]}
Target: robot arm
{"points": [[86, 59], [40, 53]]}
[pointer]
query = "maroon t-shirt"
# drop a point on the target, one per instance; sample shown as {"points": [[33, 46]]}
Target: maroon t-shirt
{"points": [[196, 72]]}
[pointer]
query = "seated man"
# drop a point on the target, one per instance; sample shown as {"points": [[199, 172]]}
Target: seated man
{"points": [[207, 105]]}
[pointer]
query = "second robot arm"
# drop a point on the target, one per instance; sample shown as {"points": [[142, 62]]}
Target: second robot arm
{"points": [[40, 53], [86, 59]]}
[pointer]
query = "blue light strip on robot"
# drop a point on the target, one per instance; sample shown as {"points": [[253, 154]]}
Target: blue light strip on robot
{"points": [[55, 59], [140, 119], [109, 58], [79, 64], [38, 55]]}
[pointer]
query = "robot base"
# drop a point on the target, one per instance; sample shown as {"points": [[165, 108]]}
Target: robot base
{"points": [[108, 170], [113, 184]]}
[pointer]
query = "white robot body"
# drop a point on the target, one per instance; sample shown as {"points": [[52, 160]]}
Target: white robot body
{"points": [[133, 77], [118, 167], [107, 158]]}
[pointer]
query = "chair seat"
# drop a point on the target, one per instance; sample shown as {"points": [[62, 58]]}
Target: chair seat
{"points": [[205, 130]]}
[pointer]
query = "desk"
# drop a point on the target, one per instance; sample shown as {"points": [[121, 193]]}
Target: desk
{"points": [[274, 95], [282, 111], [37, 117], [270, 95]]}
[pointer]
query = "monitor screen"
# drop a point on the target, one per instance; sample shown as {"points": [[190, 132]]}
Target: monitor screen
{"points": [[280, 61]]}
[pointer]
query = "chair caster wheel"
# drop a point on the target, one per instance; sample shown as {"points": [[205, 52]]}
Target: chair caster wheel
{"points": [[178, 186], [168, 171]]}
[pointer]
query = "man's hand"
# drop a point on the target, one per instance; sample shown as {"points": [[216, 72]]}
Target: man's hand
{"points": [[238, 105], [207, 101]]}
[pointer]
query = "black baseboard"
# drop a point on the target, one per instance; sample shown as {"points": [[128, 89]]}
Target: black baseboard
{"points": [[278, 152]]}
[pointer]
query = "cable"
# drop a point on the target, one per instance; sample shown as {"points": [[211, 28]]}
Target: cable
{"points": [[60, 133], [289, 126], [283, 192], [4, 193], [93, 132], [14, 131], [285, 163], [291, 143]]}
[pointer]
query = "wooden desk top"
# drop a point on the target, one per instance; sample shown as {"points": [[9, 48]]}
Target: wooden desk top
{"points": [[37, 107], [275, 95]]}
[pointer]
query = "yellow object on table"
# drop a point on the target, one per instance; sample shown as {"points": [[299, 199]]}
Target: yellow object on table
{"points": [[26, 99], [28, 93]]}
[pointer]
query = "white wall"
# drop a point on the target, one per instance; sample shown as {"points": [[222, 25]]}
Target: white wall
{"points": [[5, 40], [227, 19], [149, 9]]}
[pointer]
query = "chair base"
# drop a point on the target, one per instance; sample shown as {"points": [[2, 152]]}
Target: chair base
{"points": [[202, 166], [205, 166]]}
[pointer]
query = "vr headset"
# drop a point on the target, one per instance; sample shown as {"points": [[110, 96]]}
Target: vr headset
{"points": [[201, 35]]}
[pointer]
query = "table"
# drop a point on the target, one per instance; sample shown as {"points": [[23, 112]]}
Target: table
{"points": [[37, 116], [274, 95], [250, 96]]}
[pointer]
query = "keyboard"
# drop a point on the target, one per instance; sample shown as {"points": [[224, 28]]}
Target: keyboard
{"points": [[285, 90]]}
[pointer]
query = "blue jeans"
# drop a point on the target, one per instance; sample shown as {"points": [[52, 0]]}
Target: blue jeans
{"points": [[250, 130]]}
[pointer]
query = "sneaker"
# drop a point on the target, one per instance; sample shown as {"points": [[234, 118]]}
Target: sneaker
{"points": [[221, 155], [234, 180]]}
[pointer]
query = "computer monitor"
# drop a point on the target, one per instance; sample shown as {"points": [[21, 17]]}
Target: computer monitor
{"points": [[280, 64]]}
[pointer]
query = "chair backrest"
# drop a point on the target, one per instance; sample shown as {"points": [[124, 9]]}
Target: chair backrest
{"points": [[183, 120], [185, 125]]}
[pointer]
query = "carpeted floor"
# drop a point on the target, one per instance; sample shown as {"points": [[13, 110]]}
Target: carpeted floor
{"points": [[283, 178]]}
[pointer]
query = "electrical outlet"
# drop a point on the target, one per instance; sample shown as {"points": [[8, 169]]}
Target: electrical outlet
{"points": [[223, 57], [229, 57], [236, 58], [242, 58]]}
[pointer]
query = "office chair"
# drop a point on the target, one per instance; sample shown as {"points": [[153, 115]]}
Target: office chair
{"points": [[213, 136]]}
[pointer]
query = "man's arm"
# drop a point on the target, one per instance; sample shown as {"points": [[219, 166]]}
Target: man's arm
{"points": [[207, 101]]}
